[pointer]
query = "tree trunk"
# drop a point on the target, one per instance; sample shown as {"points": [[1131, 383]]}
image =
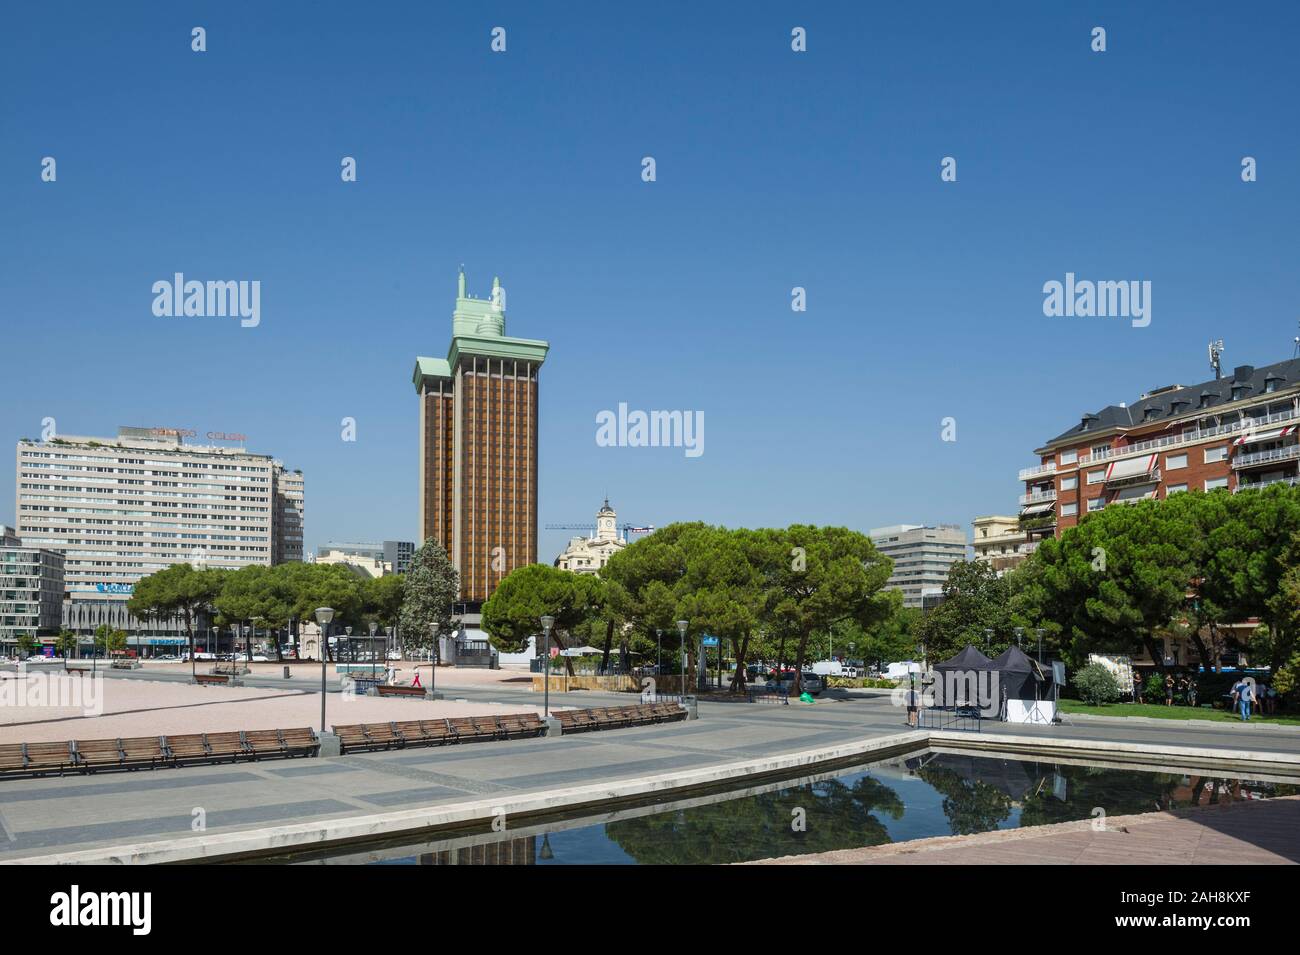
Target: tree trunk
{"points": [[798, 663], [780, 658], [1156, 652], [609, 639], [741, 648], [1201, 650]]}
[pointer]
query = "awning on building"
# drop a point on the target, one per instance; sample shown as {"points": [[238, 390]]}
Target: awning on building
{"points": [[1131, 467], [1034, 509], [1269, 435], [1138, 492]]}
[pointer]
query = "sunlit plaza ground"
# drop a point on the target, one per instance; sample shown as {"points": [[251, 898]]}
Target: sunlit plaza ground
{"points": [[138, 706]]}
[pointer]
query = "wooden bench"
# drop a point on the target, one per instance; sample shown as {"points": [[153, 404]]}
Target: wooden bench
{"points": [[129, 753], [37, 759], [212, 679], [292, 742], [414, 692], [522, 725], [368, 737], [575, 721], [669, 712]]}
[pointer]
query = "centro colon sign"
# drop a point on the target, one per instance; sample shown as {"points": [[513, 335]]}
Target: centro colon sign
{"points": [[191, 433], [115, 588]]}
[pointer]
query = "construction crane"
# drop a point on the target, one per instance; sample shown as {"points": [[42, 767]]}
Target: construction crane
{"points": [[590, 527]]}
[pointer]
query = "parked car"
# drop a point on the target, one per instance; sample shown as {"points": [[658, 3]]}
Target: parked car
{"points": [[812, 682]]}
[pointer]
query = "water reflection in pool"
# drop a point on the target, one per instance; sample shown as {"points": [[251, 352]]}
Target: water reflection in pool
{"points": [[928, 794]]}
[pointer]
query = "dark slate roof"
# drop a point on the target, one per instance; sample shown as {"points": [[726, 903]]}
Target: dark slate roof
{"points": [[1217, 394]]}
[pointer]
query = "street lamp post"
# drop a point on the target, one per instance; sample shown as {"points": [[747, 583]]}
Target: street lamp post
{"points": [[323, 617], [547, 623], [681, 630], [988, 638], [659, 658], [374, 627], [433, 667], [1020, 633], [1039, 631]]}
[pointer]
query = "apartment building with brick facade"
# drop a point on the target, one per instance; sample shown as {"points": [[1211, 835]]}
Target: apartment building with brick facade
{"points": [[1235, 432]]}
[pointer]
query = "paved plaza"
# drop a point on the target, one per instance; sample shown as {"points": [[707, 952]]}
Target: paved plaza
{"points": [[40, 817]]}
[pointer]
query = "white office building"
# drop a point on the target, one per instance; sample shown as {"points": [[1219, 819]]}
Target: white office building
{"points": [[120, 508], [922, 555]]}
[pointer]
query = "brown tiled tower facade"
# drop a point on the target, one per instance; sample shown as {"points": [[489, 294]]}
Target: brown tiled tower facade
{"points": [[478, 445]]}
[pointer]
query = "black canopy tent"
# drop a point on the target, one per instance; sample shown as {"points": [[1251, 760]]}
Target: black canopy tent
{"points": [[951, 675], [1020, 677], [968, 659]]}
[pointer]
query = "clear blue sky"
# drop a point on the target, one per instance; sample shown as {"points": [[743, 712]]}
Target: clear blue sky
{"points": [[775, 169]]}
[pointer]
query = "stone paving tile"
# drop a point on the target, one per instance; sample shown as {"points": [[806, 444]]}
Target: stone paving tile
{"points": [[107, 784], [1266, 832], [158, 826], [594, 774], [406, 797]]}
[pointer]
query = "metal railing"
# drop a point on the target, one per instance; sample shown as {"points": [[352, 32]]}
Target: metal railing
{"points": [[1288, 453], [951, 718], [1038, 497], [1173, 440], [1048, 468], [1292, 481]]}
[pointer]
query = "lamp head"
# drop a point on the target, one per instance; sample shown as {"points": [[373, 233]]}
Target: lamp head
{"points": [[324, 615]]}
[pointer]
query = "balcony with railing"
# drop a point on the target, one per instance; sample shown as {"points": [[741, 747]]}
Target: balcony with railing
{"points": [[1134, 480], [1289, 481], [1273, 455], [1038, 497], [1172, 441], [1027, 474]]}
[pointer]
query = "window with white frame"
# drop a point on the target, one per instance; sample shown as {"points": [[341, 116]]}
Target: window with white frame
{"points": [[1069, 457], [1096, 503], [1070, 483], [1175, 461], [1174, 489], [1213, 483], [1216, 454], [1069, 510], [1097, 476]]}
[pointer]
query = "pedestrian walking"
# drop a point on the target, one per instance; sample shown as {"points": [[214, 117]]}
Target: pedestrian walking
{"points": [[1243, 694]]}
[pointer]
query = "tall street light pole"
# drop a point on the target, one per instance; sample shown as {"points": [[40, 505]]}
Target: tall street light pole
{"points": [[547, 623], [433, 666], [681, 629], [323, 617]]}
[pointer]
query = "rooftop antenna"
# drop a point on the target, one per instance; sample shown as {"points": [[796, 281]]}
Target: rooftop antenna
{"points": [[1296, 352], [1216, 350]]}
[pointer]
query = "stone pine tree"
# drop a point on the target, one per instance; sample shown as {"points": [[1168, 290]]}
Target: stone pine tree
{"points": [[431, 587]]}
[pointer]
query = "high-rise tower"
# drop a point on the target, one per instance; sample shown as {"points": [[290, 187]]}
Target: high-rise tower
{"points": [[478, 444]]}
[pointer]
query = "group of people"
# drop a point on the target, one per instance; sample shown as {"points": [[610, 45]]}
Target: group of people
{"points": [[1249, 697], [1183, 690]]}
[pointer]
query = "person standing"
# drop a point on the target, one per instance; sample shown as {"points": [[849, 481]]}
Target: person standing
{"points": [[1169, 689], [1243, 694]]}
